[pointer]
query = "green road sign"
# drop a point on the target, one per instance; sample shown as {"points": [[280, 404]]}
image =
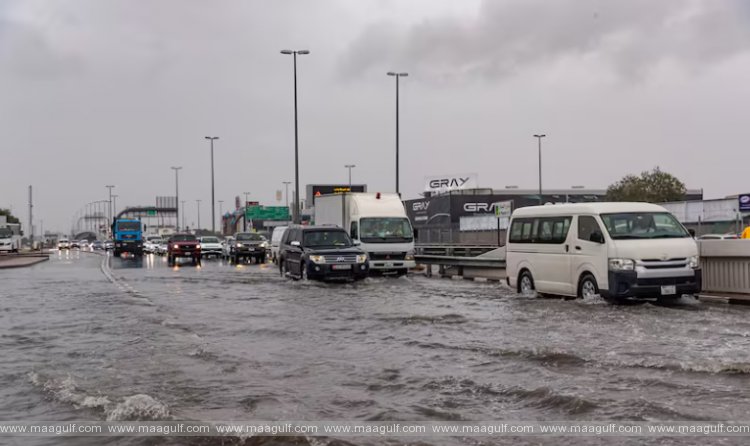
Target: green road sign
{"points": [[274, 213], [151, 212]]}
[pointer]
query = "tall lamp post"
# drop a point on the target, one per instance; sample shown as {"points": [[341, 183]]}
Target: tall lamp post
{"points": [[294, 53], [114, 205], [213, 203], [199, 213], [244, 208], [539, 140], [182, 206], [397, 76], [350, 167], [177, 195], [221, 215], [110, 187]]}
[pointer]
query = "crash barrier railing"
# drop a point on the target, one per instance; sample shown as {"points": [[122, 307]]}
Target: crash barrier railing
{"points": [[726, 266]]}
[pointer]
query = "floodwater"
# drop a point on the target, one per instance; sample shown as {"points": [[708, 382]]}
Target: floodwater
{"points": [[88, 337]]}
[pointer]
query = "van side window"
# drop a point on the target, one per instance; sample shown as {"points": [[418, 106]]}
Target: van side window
{"points": [[523, 230], [354, 233], [586, 226], [553, 229]]}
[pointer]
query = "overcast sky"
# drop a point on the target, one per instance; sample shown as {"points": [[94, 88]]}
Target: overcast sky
{"points": [[103, 92]]}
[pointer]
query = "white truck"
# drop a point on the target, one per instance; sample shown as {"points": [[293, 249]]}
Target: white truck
{"points": [[375, 221], [10, 235]]}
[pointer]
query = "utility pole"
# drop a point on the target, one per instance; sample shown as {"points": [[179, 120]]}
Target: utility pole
{"points": [[109, 220], [213, 202], [183, 214], [539, 139], [31, 219], [199, 213], [177, 195], [397, 76]]}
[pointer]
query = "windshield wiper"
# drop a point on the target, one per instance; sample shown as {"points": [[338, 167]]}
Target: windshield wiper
{"points": [[668, 236], [628, 237]]}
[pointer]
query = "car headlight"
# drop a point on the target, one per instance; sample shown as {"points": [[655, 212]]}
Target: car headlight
{"points": [[694, 262], [198, 247], [238, 245], [264, 245], [361, 258], [176, 246], [621, 265], [318, 259]]}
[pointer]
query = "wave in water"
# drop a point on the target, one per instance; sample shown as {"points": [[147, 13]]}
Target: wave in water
{"points": [[132, 408]]}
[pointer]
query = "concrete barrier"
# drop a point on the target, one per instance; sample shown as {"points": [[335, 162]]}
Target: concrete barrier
{"points": [[726, 267]]}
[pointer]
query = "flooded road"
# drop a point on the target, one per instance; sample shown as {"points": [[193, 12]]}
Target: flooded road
{"points": [[89, 337]]}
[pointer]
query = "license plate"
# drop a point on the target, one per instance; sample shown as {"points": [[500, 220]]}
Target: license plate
{"points": [[342, 267], [668, 290], [389, 264]]}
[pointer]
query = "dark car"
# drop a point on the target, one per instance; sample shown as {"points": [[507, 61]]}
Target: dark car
{"points": [[320, 252], [183, 245], [248, 245], [97, 245]]}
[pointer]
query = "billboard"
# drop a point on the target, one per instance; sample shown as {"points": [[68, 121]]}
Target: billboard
{"points": [[445, 183], [744, 202]]}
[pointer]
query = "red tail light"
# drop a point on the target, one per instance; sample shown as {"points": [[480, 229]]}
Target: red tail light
{"points": [[377, 196]]}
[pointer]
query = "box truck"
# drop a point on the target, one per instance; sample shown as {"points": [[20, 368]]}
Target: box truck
{"points": [[375, 221], [10, 235]]}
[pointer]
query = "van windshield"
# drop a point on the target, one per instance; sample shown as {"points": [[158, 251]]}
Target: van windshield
{"points": [[5, 233], [643, 225], [385, 230]]}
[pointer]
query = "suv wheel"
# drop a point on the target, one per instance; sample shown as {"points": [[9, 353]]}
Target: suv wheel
{"points": [[303, 271], [282, 267]]}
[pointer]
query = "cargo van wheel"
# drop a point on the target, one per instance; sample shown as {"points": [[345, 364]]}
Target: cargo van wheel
{"points": [[587, 287], [526, 284]]}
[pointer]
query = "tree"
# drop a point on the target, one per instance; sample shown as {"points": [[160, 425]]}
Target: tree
{"points": [[655, 186], [11, 218]]}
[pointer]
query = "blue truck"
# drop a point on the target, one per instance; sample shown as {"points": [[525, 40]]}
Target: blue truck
{"points": [[128, 236]]}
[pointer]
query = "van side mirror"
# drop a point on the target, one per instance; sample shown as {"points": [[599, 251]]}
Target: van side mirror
{"points": [[691, 231], [597, 237], [356, 242]]}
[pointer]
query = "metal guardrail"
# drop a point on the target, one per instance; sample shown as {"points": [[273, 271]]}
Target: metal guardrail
{"points": [[453, 250], [457, 261]]}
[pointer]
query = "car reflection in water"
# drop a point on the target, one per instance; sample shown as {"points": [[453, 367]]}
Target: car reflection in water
{"points": [[128, 261]]}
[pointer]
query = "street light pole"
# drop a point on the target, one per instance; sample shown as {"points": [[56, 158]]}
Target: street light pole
{"points": [[114, 205], [350, 166], [296, 135], [221, 215], [109, 220], [213, 202], [539, 140], [244, 208], [177, 195], [397, 76], [182, 203], [199, 213]]}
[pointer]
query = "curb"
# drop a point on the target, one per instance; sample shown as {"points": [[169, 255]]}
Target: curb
{"points": [[29, 261]]}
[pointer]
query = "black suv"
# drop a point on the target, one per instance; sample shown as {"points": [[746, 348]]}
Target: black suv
{"points": [[248, 245], [320, 252]]}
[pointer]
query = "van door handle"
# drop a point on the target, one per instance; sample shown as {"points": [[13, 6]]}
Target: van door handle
{"points": [[578, 248], [567, 248]]}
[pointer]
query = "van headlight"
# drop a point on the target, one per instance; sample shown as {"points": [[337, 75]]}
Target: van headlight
{"points": [[621, 265], [361, 258], [238, 245], [318, 259], [409, 256], [694, 262]]}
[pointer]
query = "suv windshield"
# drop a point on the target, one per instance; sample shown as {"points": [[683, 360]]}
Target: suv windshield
{"points": [[183, 238], [250, 237], [385, 230], [643, 225], [209, 240], [333, 238], [128, 226]]}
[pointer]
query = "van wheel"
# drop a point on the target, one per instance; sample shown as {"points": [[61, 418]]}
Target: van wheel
{"points": [[282, 267], [526, 284], [587, 287]]}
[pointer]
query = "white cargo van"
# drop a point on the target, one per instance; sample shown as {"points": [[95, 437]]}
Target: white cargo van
{"points": [[377, 222], [616, 250], [10, 235]]}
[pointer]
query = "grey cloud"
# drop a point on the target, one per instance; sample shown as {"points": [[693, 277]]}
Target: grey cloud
{"points": [[507, 36], [26, 52]]}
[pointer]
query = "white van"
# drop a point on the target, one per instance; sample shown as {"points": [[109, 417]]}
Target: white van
{"points": [[616, 250], [276, 235]]}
